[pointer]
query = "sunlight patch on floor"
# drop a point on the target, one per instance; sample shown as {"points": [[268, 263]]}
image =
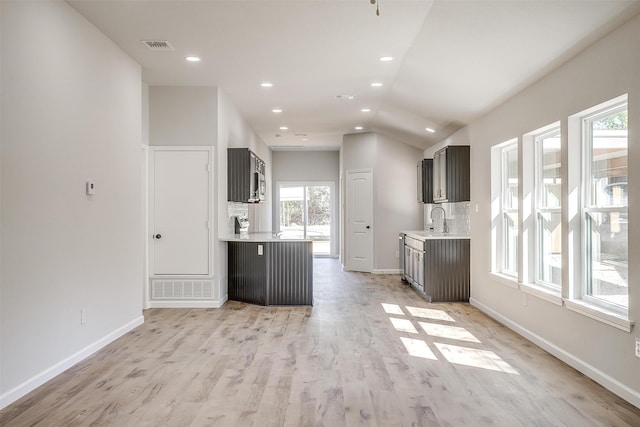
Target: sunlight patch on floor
{"points": [[392, 309], [403, 325], [446, 331], [427, 313], [484, 359], [418, 348]]}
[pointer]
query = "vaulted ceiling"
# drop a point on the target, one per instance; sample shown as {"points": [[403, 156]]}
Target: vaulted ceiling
{"points": [[453, 60]]}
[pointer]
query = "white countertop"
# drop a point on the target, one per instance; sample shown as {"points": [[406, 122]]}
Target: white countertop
{"points": [[428, 235], [259, 237]]}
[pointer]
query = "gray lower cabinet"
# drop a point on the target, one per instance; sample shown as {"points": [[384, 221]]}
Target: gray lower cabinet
{"points": [[271, 273], [438, 269], [447, 270]]}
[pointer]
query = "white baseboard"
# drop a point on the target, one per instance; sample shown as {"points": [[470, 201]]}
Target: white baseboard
{"points": [[387, 271], [41, 378], [615, 386], [188, 304]]}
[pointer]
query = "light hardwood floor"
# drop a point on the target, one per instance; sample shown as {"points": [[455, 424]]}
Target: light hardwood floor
{"points": [[370, 352]]}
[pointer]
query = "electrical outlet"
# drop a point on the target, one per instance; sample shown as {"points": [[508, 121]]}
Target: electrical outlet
{"points": [[83, 316], [637, 347]]}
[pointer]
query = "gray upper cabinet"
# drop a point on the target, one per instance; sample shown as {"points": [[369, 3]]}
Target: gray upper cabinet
{"points": [[245, 176], [425, 181], [451, 178]]}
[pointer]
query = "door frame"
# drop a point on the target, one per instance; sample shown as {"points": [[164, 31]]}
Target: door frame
{"points": [[151, 221], [347, 227], [332, 201]]}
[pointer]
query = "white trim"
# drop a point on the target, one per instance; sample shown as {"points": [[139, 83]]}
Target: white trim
{"points": [[615, 386], [181, 276], [188, 304], [387, 271], [503, 279], [51, 372], [542, 293], [145, 225], [598, 313]]}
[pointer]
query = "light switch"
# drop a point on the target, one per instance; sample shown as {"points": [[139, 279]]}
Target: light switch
{"points": [[91, 188], [260, 250]]}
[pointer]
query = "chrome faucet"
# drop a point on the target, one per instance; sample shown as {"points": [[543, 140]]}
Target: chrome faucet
{"points": [[445, 227]]}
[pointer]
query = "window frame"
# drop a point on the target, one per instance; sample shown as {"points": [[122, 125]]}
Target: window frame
{"points": [[505, 149], [538, 208], [588, 206]]}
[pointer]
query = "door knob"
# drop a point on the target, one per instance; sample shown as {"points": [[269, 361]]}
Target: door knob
{"points": [[368, 227], [157, 236]]}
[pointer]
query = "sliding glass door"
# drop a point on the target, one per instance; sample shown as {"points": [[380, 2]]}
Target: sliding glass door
{"points": [[305, 211]]}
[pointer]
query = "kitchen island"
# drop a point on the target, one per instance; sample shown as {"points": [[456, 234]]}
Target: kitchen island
{"points": [[265, 269], [436, 265]]}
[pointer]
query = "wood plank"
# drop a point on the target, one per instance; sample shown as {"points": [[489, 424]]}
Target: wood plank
{"points": [[341, 362]]}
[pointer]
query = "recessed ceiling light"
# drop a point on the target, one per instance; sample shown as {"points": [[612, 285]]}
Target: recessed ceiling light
{"points": [[376, 84], [192, 58], [345, 97], [386, 58], [429, 130], [266, 84], [358, 128], [284, 128], [277, 110], [365, 110], [304, 139]]}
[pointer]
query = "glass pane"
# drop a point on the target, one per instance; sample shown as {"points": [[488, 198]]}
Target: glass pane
{"points": [[319, 218], [510, 190], [510, 244], [607, 256], [549, 172], [550, 248], [609, 160], [292, 212]]}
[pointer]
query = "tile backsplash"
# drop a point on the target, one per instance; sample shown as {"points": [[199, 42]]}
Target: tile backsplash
{"points": [[235, 209], [457, 215]]}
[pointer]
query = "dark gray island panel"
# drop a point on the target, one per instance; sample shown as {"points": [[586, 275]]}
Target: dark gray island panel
{"points": [[271, 273], [247, 273], [447, 270]]}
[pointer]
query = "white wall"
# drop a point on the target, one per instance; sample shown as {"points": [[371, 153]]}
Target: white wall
{"points": [[233, 132], [606, 70], [395, 205], [183, 115], [305, 166], [71, 106]]}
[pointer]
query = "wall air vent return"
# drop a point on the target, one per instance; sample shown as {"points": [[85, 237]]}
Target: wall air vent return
{"points": [[158, 45], [181, 289]]}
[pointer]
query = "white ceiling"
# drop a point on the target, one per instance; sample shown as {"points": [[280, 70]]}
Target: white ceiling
{"points": [[453, 60]]}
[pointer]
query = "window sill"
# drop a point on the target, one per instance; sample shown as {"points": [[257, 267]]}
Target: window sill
{"points": [[542, 293], [598, 313], [503, 279]]}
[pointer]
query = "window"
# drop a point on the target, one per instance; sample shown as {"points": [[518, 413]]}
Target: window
{"points": [[305, 211], [605, 207], [548, 226], [509, 209]]}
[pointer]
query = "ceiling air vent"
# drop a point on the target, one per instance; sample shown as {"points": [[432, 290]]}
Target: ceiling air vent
{"points": [[158, 45]]}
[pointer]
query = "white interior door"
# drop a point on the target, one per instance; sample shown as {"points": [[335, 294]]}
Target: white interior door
{"points": [[359, 216], [180, 211]]}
